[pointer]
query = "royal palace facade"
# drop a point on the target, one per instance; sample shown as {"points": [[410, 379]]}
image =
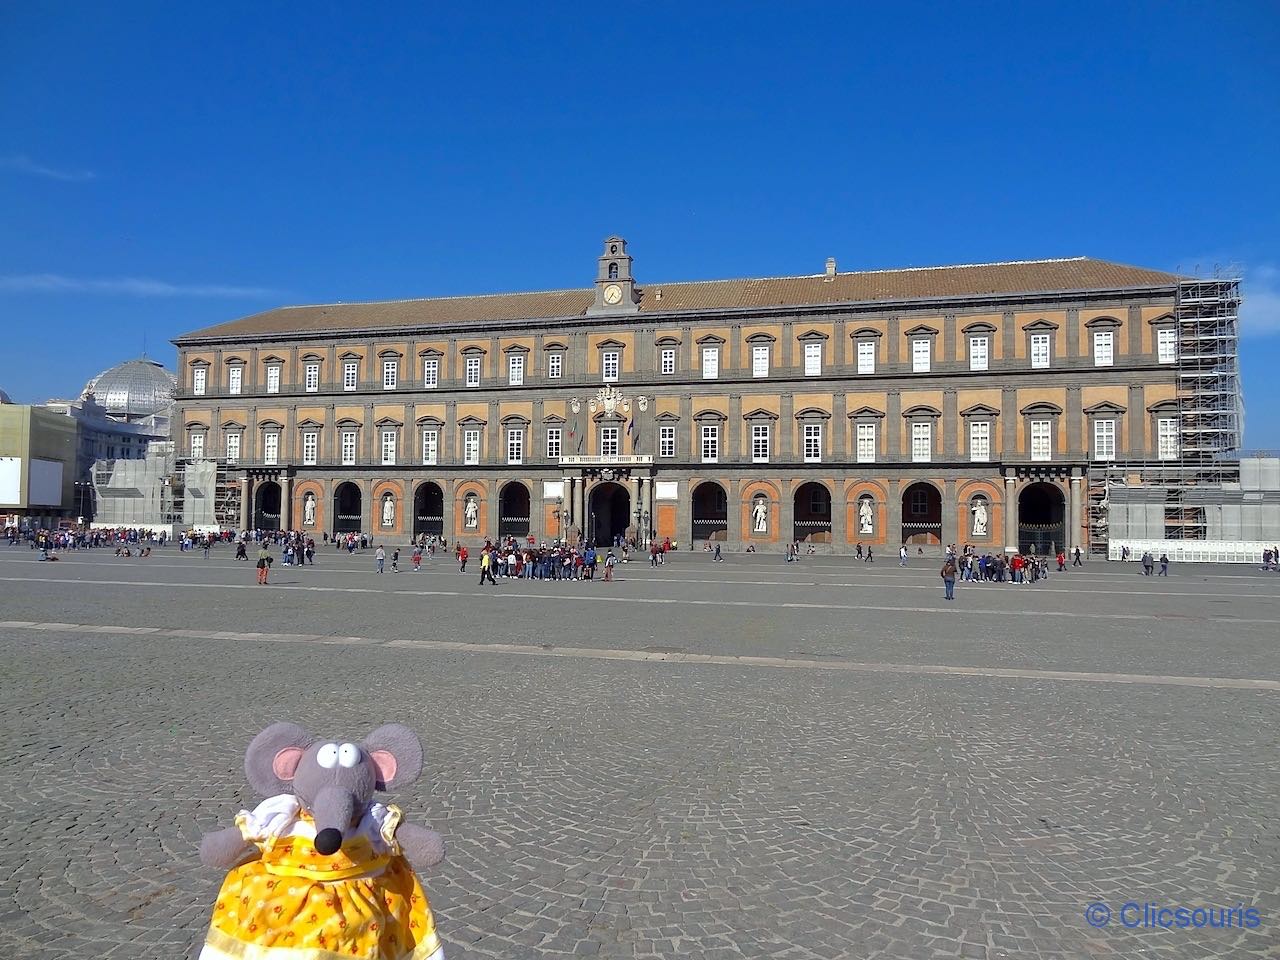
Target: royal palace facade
{"points": [[964, 404]]}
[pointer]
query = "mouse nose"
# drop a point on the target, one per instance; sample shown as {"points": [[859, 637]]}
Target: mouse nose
{"points": [[329, 841]]}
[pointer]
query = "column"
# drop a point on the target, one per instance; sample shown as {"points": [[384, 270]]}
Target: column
{"points": [[839, 516], [893, 525], [733, 533], [286, 503], [1010, 513], [1073, 516], [246, 505], [580, 507], [786, 515], [892, 426], [637, 503], [949, 519], [950, 423]]}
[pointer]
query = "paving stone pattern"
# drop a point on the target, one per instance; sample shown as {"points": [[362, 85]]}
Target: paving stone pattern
{"points": [[621, 808]]}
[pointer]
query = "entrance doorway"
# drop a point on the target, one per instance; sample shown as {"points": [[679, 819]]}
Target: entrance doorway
{"points": [[513, 510], [428, 510], [922, 515], [348, 506], [710, 512], [1042, 518], [266, 506], [608, 514], [812, 513]]}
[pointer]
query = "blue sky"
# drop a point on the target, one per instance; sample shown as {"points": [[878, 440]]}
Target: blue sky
{"points": [[168, 166]]}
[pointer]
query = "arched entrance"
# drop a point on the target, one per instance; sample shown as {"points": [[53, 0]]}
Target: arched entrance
{"points": [[922, 515], [710, 512], [513, 510], [348, 506], [428, 510], [811, 510], [266, 506], [608, 514], [1042, 518]]}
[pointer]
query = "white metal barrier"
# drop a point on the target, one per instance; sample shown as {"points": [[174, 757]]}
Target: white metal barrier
{"points": [[1193, 551]]}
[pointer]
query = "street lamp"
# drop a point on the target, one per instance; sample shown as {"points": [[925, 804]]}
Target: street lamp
{"points": [[648, 530], [558, 513], [639, 528]]}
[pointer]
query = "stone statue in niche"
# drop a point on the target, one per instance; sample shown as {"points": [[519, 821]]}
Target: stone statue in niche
{"points": [[866, 516], [979, 510], [471, 511], [760, 515], [388, 511], [309, 510]]}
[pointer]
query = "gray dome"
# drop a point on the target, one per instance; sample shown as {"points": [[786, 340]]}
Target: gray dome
{"points": [[135, 388]]}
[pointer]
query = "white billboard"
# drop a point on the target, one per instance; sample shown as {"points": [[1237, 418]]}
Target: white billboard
{"points": [[10, 481], [44, 483]]}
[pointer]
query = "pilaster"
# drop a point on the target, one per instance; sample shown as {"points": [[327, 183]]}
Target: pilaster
{"points": [[950, 421], [892, 426]]}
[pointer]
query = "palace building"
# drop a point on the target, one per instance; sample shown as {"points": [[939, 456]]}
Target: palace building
{"points": [[964, 404]]}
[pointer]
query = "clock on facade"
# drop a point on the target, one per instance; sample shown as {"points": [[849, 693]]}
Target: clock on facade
{"points": [[612, 294]]}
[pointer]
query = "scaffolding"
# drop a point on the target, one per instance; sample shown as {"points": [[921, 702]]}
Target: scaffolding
{"points": [[1210, 408]]}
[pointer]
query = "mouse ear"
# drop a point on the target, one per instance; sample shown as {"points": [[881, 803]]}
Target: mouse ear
{"points": [[272, 758], [397, 753]]}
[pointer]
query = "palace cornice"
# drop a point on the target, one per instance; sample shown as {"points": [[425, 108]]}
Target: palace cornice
{"points": [[929, 305]]}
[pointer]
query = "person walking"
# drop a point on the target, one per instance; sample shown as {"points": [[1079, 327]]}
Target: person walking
{"points": [[1164, 564], [264, 563], [395, 560], [486, 567], [717, 558], [1148, 563], [1076, 561], [949, 577], [902, 556], [462, 559], [380, 555], [417, 559], [208, 542], [610, 561]]}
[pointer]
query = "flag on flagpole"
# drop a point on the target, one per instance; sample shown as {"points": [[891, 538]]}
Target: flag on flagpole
{"points": [[633, 433]]}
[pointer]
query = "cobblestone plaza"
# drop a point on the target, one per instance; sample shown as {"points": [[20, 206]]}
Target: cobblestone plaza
{"points": [[746, 759]]}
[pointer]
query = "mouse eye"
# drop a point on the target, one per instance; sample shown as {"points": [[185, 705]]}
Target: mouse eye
{"points": [[327, 756], [348, 754]]}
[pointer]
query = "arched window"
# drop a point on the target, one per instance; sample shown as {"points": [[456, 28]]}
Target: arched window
{"points": [[613, 271]]}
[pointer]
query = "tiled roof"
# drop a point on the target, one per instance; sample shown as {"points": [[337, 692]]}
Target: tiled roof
{"points": [[972, 280]]}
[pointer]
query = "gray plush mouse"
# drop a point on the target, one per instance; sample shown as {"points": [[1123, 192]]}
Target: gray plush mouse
{"points": [[319, 866]]}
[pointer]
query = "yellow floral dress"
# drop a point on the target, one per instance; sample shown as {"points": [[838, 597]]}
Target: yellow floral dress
{"points": [[293, 903]]}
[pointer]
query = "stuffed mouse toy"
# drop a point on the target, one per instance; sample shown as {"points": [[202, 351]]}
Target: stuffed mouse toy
{"points": [[318, 869]]}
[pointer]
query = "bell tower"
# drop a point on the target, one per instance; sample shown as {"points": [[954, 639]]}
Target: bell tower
{"points": [[615, 287]]}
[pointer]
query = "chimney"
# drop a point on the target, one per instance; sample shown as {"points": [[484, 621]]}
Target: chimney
{"points": [[831, 269]]}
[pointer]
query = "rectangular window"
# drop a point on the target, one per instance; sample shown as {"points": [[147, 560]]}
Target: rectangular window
{"points": [[197, 445], [273, 378], [350, 375], [666, 441], [515, 370], [271, 448], [235, 378], [710, 363], [555, 364], [1104, 439], [668, 361], [813, 443], [515, 445], [1167, 447], [760, 443], [1041, 439], [866, 443], [198, 377], [390, 374], [980, 441], [921, 348], [1103, 348], [388, 448], [760, 361], [1039, 350], [311, 377], [922, 442], [470, 447], [866, 356], [1167, 345], [710, 443], [473, 372], [554, 443], [609, 365], [978, 353], [609, 441], [430, 373], [233, 446], [348, 438], [310, 447], [430, 447], [813, 359]]}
